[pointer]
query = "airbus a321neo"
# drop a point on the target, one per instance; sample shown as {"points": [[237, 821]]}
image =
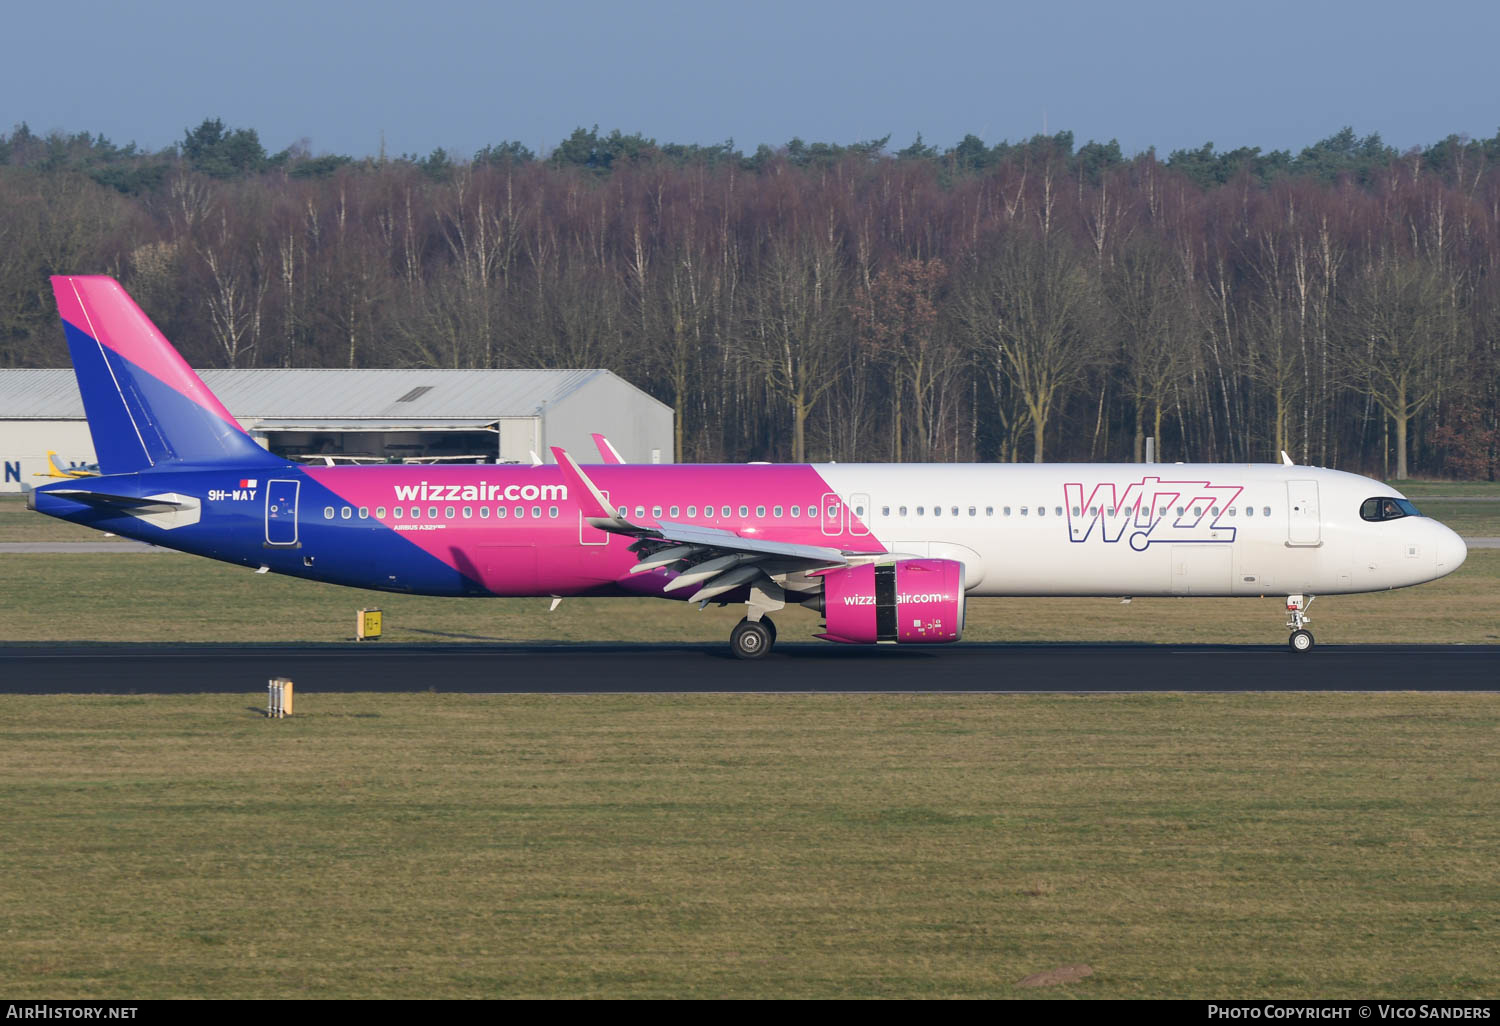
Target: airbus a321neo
{"points": [[886, 553]]}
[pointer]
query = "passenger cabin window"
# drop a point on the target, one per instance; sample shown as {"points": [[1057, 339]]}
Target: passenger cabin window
{"points": [[777, 511], [1386, 508]]}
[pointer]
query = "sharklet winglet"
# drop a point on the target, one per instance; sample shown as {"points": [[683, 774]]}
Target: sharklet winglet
{"points": [[591, 501], [607, 452]]}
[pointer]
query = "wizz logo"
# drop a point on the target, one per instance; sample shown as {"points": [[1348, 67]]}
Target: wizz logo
{"points": [[1151, 511]]}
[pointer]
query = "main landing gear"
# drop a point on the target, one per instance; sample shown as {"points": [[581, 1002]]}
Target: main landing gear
{"points": [[1301, 639], [752, 639]]}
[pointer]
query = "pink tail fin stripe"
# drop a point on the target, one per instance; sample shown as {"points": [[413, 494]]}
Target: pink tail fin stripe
{"points": [[97, 305]]}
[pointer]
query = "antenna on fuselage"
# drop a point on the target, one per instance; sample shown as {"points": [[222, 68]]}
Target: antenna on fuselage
{"points": [[1286, 460]]}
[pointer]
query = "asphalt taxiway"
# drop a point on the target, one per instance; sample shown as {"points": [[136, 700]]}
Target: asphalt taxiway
{"points": [[792, 667]]}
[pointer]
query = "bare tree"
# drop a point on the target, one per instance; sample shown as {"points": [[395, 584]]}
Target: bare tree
{"points": [[1399, 335], [1030, 306], [792, 332]]}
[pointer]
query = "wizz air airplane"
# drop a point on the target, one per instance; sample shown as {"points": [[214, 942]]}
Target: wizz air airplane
{"points": [[886, 553]]}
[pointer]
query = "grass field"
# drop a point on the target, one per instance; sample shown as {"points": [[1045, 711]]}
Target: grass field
{"points": [[431, 845], [167, 597], [816, 846]]}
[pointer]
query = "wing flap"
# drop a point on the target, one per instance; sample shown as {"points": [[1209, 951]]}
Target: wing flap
{"points": [[717, 538]]}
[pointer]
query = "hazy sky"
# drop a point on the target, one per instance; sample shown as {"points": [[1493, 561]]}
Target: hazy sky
{"points": [[1168, 73]]}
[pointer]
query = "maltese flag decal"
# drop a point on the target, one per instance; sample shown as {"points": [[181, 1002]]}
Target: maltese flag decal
{"points": [[248, 482]]}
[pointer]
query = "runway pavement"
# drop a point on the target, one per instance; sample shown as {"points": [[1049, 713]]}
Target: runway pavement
{"points": [[588, 668]]}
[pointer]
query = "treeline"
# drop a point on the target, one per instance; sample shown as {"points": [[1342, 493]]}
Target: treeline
{"points": [[1014, 301]]}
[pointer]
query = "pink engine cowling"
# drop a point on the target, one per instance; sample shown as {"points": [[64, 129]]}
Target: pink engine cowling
{"points": [[907, 601]]}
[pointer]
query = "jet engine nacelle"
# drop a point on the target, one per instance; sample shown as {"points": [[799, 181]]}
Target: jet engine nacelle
{"points": [[907, 601]]}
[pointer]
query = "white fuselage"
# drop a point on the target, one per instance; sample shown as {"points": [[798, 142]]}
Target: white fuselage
{"points": [[1146, 529]]}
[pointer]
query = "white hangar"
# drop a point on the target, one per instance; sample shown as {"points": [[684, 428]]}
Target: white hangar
{"points": [[366, 415]]}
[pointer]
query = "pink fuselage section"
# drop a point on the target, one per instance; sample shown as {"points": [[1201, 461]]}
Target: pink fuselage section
{"points": [[517, 530]]}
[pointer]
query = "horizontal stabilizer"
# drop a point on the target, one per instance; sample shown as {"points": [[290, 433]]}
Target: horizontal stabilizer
{"points": [[125, 502]]}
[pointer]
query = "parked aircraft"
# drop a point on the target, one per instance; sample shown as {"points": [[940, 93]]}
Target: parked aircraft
{"points": [[54, 469], [887, 553]]}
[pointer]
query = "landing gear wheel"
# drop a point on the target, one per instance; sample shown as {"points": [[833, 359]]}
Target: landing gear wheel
{"points": [[752, 639], [1300, 641], [772, 625]]}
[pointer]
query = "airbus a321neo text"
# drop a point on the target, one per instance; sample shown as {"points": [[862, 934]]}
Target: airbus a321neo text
{"points": [[886, 553]]}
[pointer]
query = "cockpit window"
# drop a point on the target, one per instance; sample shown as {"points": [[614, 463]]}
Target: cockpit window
{"points": [[1386, 508]]}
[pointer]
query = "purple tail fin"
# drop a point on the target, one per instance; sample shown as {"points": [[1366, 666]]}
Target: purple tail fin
{"points": [[145, 405]]}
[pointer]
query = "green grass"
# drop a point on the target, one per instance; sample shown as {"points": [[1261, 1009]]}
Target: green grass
{"points": [[167, 597], [1473, 518], [19, 524], [1476, 489], [1267, 846], [1334, 846]]}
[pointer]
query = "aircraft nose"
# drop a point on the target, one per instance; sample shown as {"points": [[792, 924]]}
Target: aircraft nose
{"points": [[1451, 552]]}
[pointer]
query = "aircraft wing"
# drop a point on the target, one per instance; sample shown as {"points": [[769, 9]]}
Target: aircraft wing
{"points": [[717, 538], [715, 560]]}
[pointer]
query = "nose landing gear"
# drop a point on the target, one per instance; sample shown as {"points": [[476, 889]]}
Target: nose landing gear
{"points": [[1301, 639]]}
